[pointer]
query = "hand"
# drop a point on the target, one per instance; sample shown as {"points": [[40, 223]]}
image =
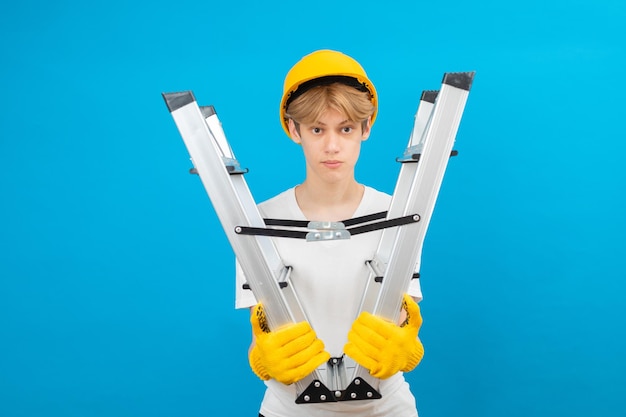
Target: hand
{"points": [[287, 354], [384, 347]]}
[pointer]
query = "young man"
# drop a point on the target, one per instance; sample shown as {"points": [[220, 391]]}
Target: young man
{"points": [[329, 106]]}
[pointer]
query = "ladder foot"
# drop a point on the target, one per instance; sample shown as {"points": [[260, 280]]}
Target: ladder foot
{"points": [[316, 392], [359, 389]]}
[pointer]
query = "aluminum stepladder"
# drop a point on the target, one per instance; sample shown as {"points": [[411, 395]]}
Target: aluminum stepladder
{"points": [[399, 250]]}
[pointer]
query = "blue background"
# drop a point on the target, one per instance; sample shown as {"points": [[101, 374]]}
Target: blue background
{"points": [[116, 279]]}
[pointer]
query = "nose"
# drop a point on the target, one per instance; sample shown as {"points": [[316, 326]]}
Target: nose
{"points": [[331, 144]]}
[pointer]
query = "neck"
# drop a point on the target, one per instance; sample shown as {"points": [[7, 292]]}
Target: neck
{"points": [[332, 202]]}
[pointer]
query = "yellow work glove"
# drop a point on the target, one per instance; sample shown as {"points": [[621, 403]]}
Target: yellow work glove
{"points": [[287, 354], [384, 347]]}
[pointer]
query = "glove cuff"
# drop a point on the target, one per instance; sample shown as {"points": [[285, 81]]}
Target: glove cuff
{"points": [[415, 357], [256, 364]]}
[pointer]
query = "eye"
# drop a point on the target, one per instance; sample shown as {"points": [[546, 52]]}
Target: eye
{"points": [[347, 129], [316, 130]]}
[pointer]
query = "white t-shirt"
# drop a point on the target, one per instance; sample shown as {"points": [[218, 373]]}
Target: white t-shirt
{"points": [[329, 279]]}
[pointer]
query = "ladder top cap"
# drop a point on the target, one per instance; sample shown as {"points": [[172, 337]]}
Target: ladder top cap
{"points": [[207, 111], [175, 101], [429, 96], [461, 80]]}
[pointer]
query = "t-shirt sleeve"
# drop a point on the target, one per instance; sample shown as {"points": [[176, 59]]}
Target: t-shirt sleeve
{"points": [[243, 298]]}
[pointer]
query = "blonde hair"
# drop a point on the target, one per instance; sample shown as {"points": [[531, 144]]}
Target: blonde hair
{"points": [[308, 108]]}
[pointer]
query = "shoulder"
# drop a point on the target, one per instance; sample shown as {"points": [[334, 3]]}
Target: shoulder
{"points": [[279, 204], [374, 193], [376, 199]]}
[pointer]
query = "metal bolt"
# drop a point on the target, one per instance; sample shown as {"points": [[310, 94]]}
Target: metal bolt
{"points": [[353, 395], [337, 393], [323, 397], [357, 381], [307, 398], [317, 384], [238, 229], [369, 394]]}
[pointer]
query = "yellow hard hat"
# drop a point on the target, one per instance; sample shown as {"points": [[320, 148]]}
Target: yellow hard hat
{"points": [[324, 67]]}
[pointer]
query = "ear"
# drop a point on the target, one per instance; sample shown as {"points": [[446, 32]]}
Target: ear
{"points": [[293, 132], [367, 129]]}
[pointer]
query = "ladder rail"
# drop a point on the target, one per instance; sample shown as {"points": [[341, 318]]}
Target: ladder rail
{"points": [[399, 252], [234, 207], [430, 170], [244, 198], [402, 188]]}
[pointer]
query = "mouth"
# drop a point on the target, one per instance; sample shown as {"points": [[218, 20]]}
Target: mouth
{"points": [[331, 163]]}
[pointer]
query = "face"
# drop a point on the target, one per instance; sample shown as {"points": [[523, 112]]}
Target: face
{"points": [[331, 146]]}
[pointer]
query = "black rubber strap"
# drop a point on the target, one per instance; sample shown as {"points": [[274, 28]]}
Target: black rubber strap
{"points": [[365, 219], [261, 231], [400, 221], [305, 223], [298, 234]]}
